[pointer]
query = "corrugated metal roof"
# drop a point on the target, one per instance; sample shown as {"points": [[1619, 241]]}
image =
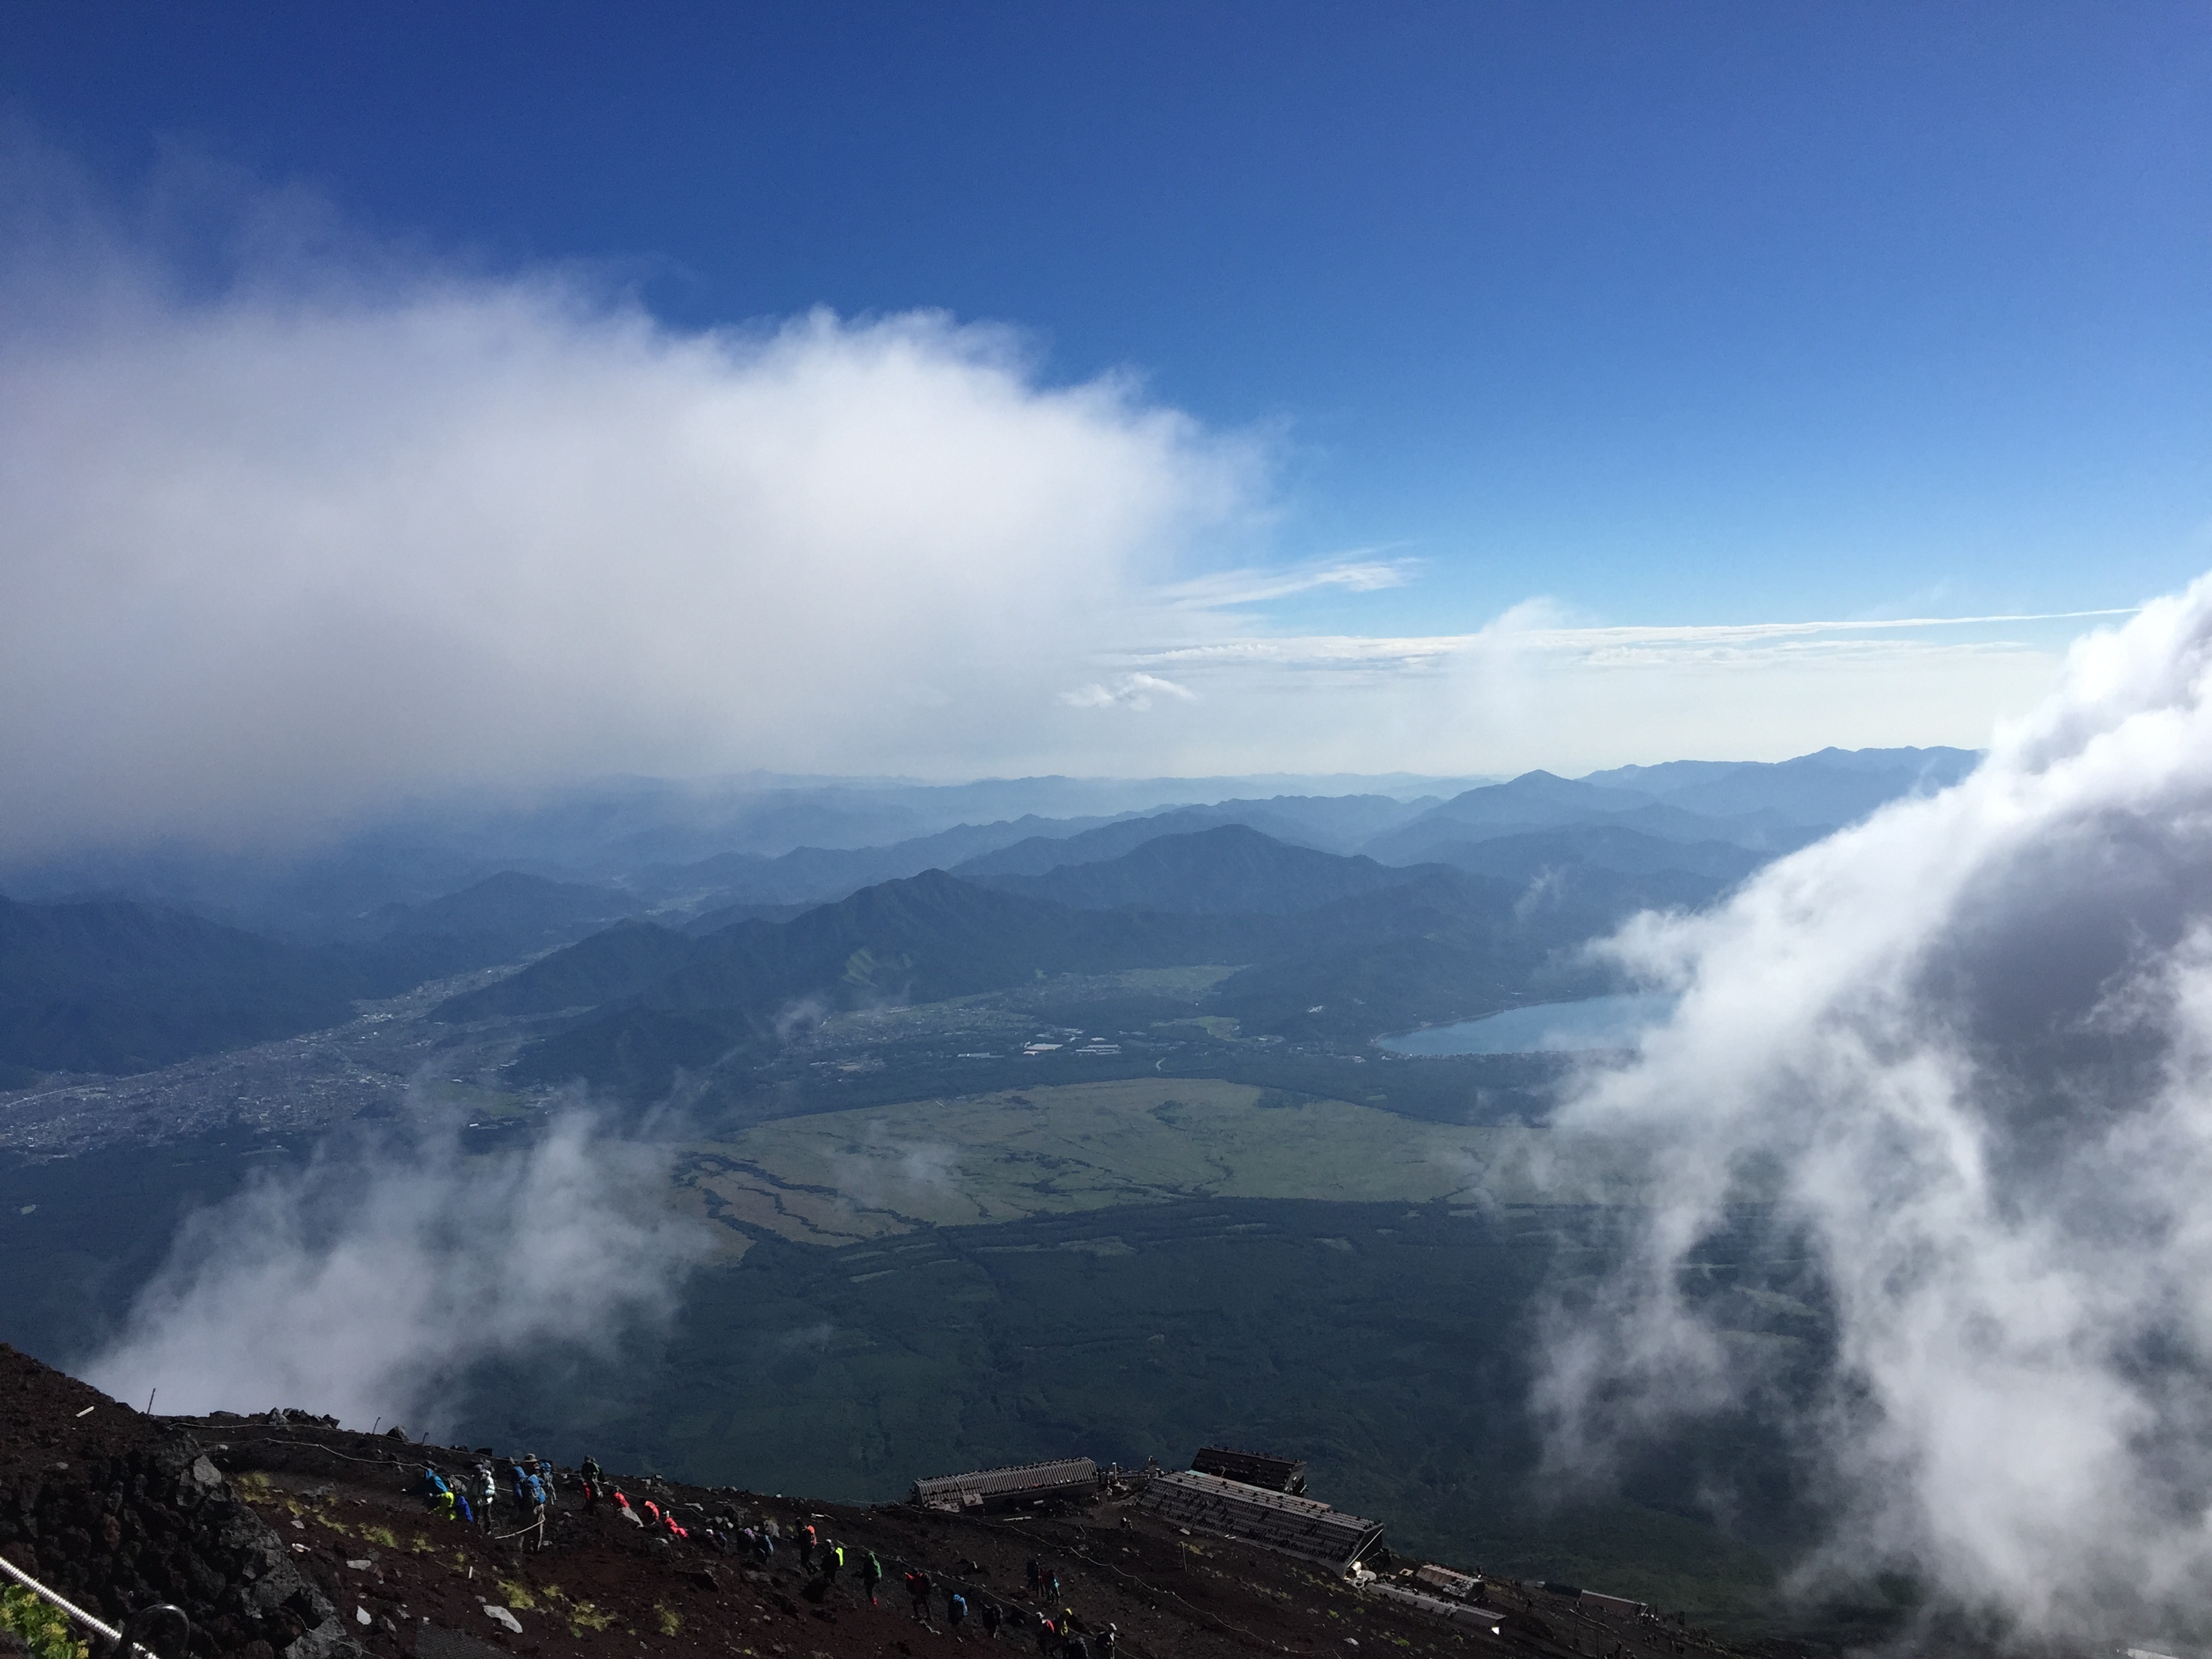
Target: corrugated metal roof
{"points": [[1614, 1604], [1443, 1578], [1236, 1509], [983, 1486], [1253, 1468], [1460, 1613]]}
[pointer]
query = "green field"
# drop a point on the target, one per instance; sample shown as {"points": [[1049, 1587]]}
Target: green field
{"points": [[836, 1178]]}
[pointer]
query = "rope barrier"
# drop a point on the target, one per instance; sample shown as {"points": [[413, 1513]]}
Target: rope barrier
{"points": [[389, 1460]]}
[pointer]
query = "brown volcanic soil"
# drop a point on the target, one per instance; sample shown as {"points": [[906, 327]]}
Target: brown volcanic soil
{"points": [[340, 1506]]}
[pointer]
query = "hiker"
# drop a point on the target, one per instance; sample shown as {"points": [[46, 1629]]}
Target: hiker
{"points": [[463, 1513], [918, 1587], [955, 1610], [487, 1492], [1044, 1635], [1036, 1576], [833, 1559], [433, 1484], [764, 1545], [1074, 1649], [990, 1611], [1110, 1645], [1068, 1621], [872, 1574], [442, 1504], [1052, 1583], [806, 1547]]}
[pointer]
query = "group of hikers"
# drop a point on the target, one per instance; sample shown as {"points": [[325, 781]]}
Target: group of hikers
{"points": [[471, 1498], [1061, 1633], [474, 1498]]}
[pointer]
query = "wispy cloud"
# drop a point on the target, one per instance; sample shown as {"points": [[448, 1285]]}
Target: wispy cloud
{"points": [[1132, 691], [372, 1288], [1226, 589], [1529, 630]]}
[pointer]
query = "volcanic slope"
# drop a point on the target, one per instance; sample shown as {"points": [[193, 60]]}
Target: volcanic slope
{"points": [[282, 1534]]}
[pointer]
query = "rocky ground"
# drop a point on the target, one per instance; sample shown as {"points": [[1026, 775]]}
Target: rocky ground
{"points": [[297, 1538]]}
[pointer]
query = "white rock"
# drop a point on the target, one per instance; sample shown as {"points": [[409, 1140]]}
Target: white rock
{"points": [[502, 1616], [360, 1616]]}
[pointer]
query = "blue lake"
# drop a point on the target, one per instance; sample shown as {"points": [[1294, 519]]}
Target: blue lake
{"points": [[1542, 1028]]}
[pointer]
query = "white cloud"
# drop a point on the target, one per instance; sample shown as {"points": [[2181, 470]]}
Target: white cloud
{"points": [[1133, 691], [371, 1289], [1965, 1050], [319, 541], [1229, 589], [352, 526], [1533, 689]]}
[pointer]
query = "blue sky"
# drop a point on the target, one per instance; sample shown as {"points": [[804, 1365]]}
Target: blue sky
{"points": [[1692, 312], [1681, 315]]}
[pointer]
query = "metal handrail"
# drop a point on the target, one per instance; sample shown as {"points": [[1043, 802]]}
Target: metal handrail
{"points": [[113, 1636]]}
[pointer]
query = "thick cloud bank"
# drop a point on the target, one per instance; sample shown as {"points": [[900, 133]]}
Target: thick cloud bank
{"points": [[345, 525], [1965, 1051], [371, 1290]]}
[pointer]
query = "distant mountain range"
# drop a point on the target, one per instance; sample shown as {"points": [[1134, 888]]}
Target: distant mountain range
{"points": [[1326, 946], [117, 987], [1346, 915], [1228, 870], [619, 830], [1768, 809]]}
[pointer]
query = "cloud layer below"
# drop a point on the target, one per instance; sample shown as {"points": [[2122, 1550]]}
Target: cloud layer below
{"points": [[1964, 1052], [371, 1288]]}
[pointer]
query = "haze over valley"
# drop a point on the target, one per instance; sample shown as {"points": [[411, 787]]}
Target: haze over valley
{"points": [[1436, 775]]}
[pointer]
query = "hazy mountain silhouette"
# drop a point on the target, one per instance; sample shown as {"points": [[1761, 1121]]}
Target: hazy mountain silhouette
{"points": [[114, 985], [1229, 869], [1769, 807]]}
